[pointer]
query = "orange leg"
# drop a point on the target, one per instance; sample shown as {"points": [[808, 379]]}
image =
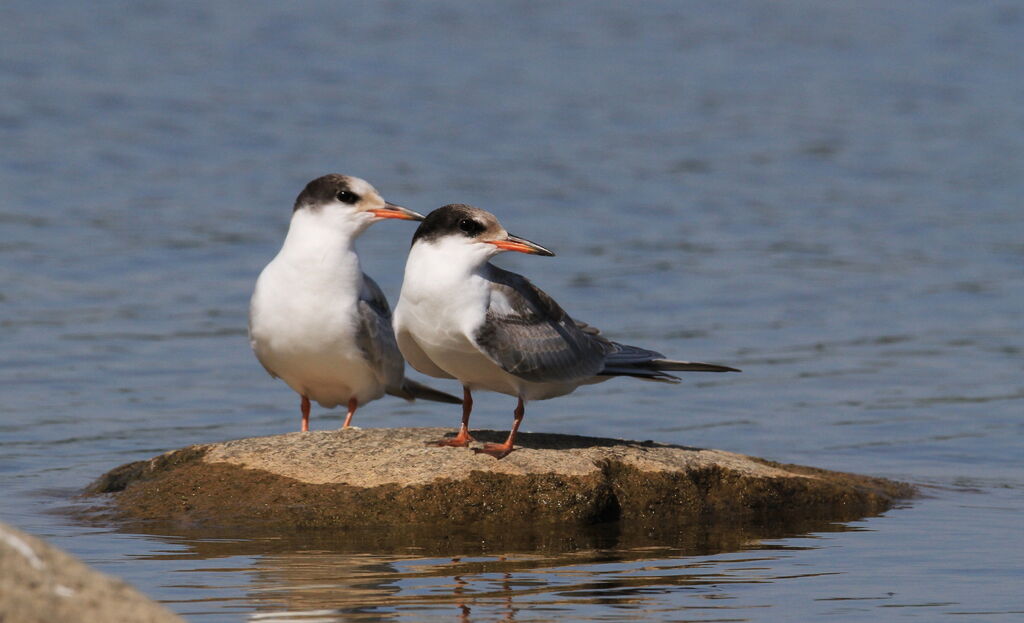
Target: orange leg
{"points": [[352, 405], [501, 450], [305, 414], [463, 438]]}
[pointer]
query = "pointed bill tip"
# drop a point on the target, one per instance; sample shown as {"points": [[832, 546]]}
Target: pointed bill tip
{"points": [[522, 245], [391, 210]]}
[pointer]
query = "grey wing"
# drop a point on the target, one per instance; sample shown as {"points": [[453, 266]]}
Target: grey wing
{"points": [[376, 338], [529, 335], [626, 360]]}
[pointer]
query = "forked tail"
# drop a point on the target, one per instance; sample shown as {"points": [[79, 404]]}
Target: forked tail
{"points": [[652, 366], [412, 390]]}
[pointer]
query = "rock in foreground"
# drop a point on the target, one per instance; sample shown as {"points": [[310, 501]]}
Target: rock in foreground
{"points": [[39, 583], [367, 477]]}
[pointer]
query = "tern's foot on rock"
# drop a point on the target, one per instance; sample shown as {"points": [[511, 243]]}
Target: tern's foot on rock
{"points": [[497, 450], [458, 441]]}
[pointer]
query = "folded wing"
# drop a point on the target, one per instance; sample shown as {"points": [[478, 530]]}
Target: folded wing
{"points": [[529, 335], [376, 338]]}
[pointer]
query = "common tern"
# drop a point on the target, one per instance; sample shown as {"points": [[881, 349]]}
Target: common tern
{"points": [[316, 320], [459, 316]]}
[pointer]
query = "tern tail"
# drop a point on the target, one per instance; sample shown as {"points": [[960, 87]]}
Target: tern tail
{"points": [[651, 366], [412, 390], [689, 366]]}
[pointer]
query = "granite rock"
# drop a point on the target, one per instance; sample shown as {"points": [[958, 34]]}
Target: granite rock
{"points": [[359, 477], [41, 584]]}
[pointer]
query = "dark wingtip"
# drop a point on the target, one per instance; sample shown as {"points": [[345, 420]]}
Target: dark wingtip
{"points": [[691, 366]]}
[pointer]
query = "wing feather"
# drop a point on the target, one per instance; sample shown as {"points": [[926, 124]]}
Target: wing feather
{"points": [[376, 338], [529, 335]]}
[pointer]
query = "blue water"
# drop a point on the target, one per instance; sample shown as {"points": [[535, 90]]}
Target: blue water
{"points": [[827, 195]]}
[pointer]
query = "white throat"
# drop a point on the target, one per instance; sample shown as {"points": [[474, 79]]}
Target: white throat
{"points": [[323, 236], [445, 262]]}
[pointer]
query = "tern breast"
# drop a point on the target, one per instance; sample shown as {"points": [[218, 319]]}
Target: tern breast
{"points": [[303, 328]]}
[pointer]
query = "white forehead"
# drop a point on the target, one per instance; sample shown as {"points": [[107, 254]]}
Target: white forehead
{"points": [[360, 186]]}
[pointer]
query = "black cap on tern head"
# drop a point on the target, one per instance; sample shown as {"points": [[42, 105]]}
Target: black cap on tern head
{"points": [[352, 192], [459, 219], [325, 189]]}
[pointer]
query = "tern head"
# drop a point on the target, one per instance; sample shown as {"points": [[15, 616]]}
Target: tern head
{"points": [[348, 201], [473, 232]]}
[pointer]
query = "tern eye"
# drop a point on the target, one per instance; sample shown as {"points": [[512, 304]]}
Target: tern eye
{"points": [[470, 227], [347, 196]]}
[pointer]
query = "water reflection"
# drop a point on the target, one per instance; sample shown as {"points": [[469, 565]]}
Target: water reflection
{"points": [[414, 573]]}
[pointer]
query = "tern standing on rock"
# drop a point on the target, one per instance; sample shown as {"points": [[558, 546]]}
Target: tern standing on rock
{"points": [[461, 317], [316, 321]]}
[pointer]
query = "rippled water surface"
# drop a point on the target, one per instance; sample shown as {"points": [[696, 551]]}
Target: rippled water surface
{"points": [[826, 195]]}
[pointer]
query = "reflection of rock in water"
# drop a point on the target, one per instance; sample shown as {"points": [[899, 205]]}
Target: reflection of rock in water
{"points": [[306, 581], [387, 477], [492, 572], [345, 586]]}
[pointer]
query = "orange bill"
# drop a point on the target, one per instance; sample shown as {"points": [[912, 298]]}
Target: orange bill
{"points": [[390, 210], [522, 245]]}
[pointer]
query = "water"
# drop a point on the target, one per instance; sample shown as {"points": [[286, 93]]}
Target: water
{"points": [[827, 196]]}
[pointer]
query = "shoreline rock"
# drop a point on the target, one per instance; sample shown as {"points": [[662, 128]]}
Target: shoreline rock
{"points": [[40, 583], [389, 477]]}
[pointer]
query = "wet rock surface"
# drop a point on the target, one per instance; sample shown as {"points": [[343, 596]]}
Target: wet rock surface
{"points": [[39, 583], [390, 477]]}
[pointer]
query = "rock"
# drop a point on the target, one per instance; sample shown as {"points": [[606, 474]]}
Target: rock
{"points": [[40, 583], [389, 477]]}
